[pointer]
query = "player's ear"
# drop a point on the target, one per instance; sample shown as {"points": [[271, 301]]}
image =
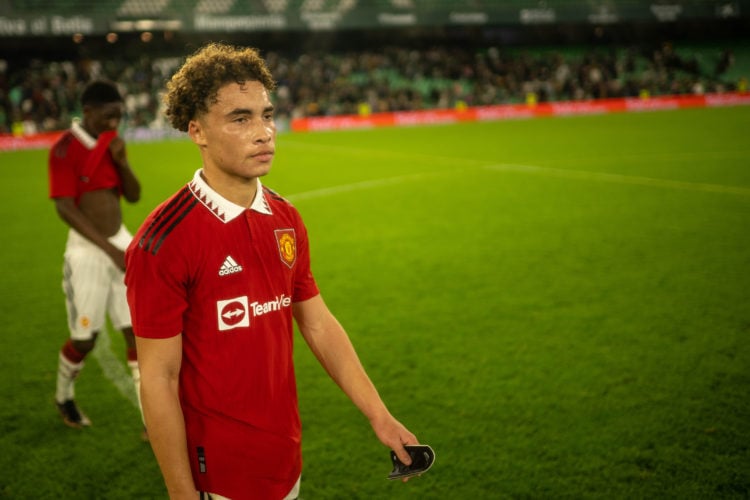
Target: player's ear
{"points": [[196, 133]]}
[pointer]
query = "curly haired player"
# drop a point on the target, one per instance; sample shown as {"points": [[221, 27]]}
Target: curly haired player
{"points": [[216, 277]]}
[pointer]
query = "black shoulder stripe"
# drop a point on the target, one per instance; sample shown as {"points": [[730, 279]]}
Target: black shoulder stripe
{"points": [[61, 148], [173, 225], [273, 194], [173, 213], [166, 212]]}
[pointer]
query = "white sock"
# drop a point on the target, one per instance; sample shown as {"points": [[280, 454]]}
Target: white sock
{"points": [[136, 372], [67, 371]]}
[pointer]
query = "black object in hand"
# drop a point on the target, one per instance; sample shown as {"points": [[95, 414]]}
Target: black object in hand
{"points": [[422, 458]]}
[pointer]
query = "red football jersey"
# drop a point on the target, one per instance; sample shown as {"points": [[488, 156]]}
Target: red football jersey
{"points": [[79, 163], [226, 277]]}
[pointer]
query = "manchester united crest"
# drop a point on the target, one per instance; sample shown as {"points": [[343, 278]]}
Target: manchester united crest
{"points": [[287, 246]]}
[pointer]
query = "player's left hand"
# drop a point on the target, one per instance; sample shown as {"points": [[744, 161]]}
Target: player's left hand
{"points": [[422, 458], [394, 435], [119, 154]]}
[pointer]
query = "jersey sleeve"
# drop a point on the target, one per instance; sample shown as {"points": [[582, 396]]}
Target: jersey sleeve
{"points": [[305, 286], [156, 290], [62, 170]]}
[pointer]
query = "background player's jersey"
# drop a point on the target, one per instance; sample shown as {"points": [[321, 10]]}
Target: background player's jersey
{"points": [[226, 277], [79, 163]]}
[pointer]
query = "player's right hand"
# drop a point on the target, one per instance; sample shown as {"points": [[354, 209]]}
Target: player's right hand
{"points": [[118, 257]]}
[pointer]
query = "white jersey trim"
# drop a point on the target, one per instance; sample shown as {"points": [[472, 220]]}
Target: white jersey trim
{"points": [[80, 133], [222, 208]]}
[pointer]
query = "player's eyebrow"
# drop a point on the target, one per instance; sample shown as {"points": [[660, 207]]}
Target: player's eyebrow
{"points": [[247, 111]]}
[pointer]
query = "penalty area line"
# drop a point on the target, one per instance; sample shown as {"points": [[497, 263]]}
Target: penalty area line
{"points": [[117, 373], [620, 179], [359, 186]]}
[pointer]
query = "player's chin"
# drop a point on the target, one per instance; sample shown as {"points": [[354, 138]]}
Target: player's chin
{"points": [[257, 168]]}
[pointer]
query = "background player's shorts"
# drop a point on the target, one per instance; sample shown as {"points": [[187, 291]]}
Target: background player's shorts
{"points": [[293, 495], [94, 286]]}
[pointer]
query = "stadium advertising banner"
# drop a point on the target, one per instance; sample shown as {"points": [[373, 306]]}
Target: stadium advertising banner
{"points": [[9, 142], [236, 16], [46, 25], [518, 111]]}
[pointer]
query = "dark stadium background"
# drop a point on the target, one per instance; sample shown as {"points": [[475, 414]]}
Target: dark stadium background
{"points": [[558, 305], [704, 41]]}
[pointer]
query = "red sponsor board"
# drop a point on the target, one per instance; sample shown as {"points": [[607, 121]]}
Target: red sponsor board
{"points": [[10, 142], [518, 111]]}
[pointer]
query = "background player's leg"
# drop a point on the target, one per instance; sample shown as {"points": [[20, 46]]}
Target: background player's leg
{"points": [[132, 356], [119, 314], [70, 364], [85, 285]]}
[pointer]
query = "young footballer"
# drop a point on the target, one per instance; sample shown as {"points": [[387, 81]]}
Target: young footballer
{"points": [[216, 276], [88, 174]]}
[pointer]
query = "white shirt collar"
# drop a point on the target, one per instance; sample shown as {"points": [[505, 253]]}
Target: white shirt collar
{"points": [[220, 206], [80, 133]]}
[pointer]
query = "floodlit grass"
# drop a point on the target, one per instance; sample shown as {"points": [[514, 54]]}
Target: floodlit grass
{"points": [[558, 306]]}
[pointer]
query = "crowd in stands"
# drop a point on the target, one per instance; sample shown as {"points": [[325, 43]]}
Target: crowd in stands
{"points": [[43, 95]]}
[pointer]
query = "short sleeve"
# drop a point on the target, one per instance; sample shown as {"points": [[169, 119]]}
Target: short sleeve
{"points": [[156, 290], [62, 173], [305, 286]]}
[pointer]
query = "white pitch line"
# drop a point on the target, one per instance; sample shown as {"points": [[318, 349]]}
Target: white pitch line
{"points": [[357, 186], [118, 375], [550, 171], [621, 179], [531, 169], [113, 369]]}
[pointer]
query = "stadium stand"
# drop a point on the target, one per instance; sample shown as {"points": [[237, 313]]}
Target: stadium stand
{"points": [[42, 96], [214, 6], [142, 8], [345, 72]]}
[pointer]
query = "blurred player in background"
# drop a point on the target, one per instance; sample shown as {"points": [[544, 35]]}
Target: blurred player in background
{"points": [[216, 277], [89, 173]]}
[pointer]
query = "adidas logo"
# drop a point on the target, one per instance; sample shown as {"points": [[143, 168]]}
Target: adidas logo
{"points": [[229, 266]]}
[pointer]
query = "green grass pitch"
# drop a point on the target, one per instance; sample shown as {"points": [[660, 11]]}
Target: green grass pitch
{"points": [[558, 306]]}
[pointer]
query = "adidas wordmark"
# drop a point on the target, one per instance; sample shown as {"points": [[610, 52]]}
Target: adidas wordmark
{"points": [[229, 266]]}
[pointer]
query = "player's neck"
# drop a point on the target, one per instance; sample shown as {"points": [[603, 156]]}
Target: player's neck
{"points": [[239, 190]]}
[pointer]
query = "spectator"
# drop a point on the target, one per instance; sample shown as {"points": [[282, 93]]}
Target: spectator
{"points": [[42, 95]]}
